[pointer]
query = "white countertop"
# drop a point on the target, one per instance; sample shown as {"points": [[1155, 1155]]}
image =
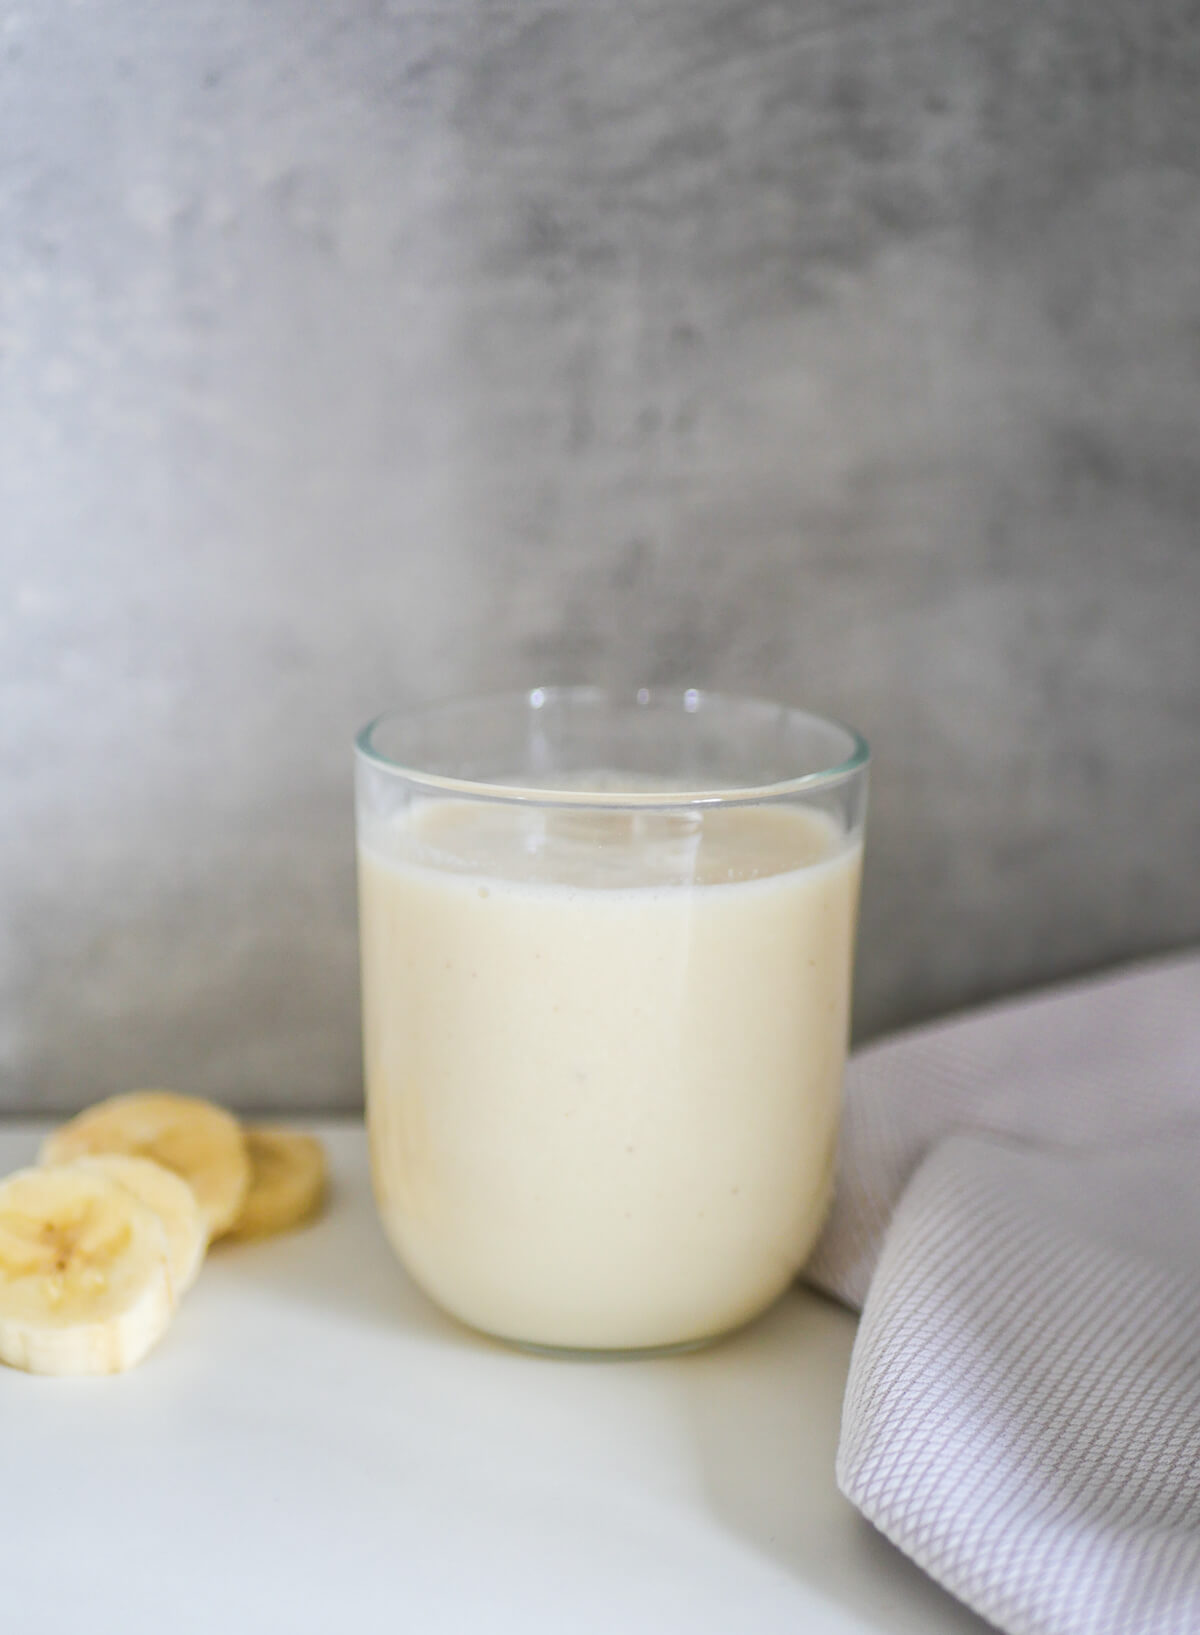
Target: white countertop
{"points": [[314, 1449]]}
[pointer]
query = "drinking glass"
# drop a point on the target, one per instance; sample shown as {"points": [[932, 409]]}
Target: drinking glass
{"points": [[607, 943]]}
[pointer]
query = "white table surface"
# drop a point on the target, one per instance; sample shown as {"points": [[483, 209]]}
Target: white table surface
{"points": [[314, 1448]]}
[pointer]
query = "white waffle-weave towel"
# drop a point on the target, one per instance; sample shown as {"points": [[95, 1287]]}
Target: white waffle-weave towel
{"points": [[1018, 1215]]}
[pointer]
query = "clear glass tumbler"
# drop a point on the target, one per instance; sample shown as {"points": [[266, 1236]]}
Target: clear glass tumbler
{"points": [[606, 958]]}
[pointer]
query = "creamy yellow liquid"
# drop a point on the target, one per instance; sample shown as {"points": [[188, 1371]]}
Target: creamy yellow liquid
{"points": [[604, 1055]]}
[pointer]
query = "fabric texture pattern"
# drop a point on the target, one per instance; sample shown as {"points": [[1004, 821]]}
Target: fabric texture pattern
{"points": [[1018, 1216]]}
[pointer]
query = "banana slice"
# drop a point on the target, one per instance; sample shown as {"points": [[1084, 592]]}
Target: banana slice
{"points": [[287, 1185], [200, 1142], [85, 1285], [171, 1199]]}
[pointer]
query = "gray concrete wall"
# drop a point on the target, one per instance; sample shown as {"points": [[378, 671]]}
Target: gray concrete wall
{"points": [[357, 351]]}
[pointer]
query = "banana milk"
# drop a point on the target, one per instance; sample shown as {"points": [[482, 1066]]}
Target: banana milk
{"points": [[604, 1052]]}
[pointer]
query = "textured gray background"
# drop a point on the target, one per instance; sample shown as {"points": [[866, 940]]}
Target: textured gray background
{"points": [[354, 352]]}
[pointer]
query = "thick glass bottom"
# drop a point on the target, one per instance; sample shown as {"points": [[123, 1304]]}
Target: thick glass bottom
{"points": [[566, 1353]]}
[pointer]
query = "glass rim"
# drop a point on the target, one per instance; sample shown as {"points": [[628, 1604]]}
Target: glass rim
{"points": [[687, 699]]}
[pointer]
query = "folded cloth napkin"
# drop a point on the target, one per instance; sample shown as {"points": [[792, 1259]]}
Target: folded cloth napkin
{"points": [[1018, 1215]]}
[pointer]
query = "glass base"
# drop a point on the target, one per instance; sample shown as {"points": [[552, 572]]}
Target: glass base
{"points": [[645, 1353]]}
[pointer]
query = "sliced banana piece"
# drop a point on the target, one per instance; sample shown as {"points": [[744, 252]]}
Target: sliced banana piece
{"points": [[287, 1182], [85, 1284], [199, 1141], [171, 1199]]}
